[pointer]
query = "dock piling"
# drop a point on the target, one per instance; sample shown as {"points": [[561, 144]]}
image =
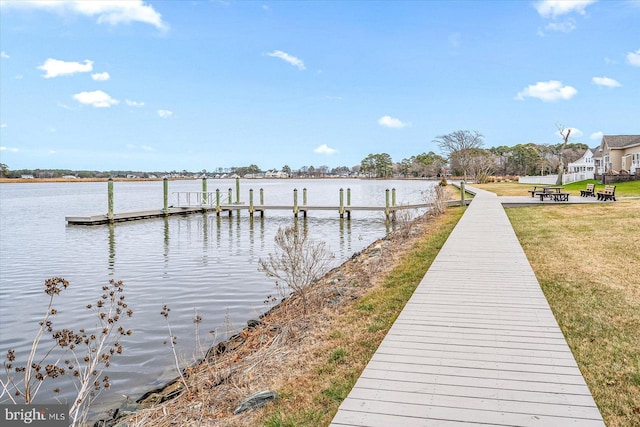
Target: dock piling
{"points": [[110, 199], [218, 209], [295, 202], [341, 207], [204, 190], [462, 194], [237, 191], [165, 192], [387, 210], [251, 208]]}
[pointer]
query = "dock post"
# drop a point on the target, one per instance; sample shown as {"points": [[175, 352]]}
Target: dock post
{"points": [[165, 193], [387, 210], [295, 203], [218, 202], [304, 196], [348, 197], [341, 208], [393, 197], [462, 193], [230, 196], [262, 201], [238, 191], [204, 190], [251, 210], [110, 199]]}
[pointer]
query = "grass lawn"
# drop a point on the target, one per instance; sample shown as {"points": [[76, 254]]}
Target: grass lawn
{"points": [[586, 258], [623, 189]]}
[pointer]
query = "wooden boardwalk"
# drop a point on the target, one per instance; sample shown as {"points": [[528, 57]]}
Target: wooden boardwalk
{"points": [[477, 343]]}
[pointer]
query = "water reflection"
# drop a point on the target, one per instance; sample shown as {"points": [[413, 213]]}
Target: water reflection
{"points": [[112, 249]]}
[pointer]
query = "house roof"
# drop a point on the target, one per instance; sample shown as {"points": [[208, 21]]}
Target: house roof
{"points": [[597, 152], [621, 141]]}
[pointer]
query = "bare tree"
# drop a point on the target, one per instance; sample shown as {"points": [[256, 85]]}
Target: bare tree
{"points": [[299, 261], [459, 147], [565, 134], [483, 163]]}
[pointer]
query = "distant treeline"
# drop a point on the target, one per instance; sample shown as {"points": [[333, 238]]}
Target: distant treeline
{"points": [[521, 159]]}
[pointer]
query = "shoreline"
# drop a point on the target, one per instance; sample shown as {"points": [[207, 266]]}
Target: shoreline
{"points": [[273, 342]]}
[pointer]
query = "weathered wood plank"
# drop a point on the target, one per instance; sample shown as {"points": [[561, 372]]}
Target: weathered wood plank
{"points": [[476, 344]]}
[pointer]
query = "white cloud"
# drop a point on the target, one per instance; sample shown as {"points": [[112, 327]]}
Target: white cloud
{"points": [[296, 62], [606, 81], [101, 77], [392, 122], [134, 103], [13, 150], [3, 125], [554, 8], [550, 91], [165, 114], [633, 58], [97, 98], [596, 135], [575, 133], [111, 12], [325, 149], [561, 27], [55, 67], [4, 55]]}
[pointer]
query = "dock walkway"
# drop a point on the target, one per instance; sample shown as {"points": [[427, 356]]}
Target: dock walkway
{"points": [[477, 343]]}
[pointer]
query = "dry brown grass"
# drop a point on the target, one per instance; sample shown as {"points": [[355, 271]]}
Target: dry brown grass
{"points": [[586, 258]]}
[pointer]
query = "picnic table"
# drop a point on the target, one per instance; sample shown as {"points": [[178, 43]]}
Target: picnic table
{"points": [[554, 193]]}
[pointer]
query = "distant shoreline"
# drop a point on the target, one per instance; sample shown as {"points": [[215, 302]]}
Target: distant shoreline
{"points": [[41, 180], [38, 180]]}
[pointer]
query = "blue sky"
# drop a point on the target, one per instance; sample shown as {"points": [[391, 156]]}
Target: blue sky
{"points": [[173, 85]]}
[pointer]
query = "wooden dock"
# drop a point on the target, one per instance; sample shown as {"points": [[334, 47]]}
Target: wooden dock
{"points": [[97, 219], [477, 343]]}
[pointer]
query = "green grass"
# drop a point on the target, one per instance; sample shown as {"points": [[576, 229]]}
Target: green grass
{"points": [[623, 189]]}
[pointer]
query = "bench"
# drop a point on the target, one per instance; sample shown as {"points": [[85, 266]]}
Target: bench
{"points": [[590, 191], [609, 193]]}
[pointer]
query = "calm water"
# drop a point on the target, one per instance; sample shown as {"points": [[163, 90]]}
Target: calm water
{"points": [[198, 263]]}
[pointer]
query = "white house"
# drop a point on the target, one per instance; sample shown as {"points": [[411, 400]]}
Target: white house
{"points": [[584, 166], [276, 174]]}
